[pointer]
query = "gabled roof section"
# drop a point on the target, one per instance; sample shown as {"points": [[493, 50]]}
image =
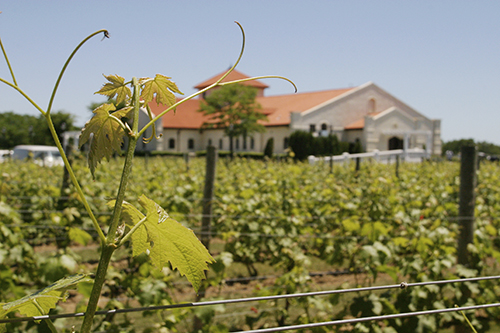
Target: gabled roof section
{"points": [[277, 108], [234, 75], [186, 116], [390, 110], [360, 123]]}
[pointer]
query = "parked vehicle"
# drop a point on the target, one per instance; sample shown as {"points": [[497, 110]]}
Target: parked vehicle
{"points": [[5, 154], [41, 155]]}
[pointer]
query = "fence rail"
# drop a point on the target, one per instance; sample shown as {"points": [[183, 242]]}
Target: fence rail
{"points": [[413, 155]]}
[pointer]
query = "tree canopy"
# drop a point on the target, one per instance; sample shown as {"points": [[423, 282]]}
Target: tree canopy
{"points": [[482, 146], [19, 129], [234, 109]]}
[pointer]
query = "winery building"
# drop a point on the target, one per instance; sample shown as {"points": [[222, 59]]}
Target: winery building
{"points": [[366, 113]]}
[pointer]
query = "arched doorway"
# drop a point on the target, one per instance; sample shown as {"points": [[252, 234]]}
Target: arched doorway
{"points": [[395, 143]]}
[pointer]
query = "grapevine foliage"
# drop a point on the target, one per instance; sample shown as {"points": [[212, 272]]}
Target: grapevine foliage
{"points": [[159, 89], [40, 302], [166, 240], [106, 132]]}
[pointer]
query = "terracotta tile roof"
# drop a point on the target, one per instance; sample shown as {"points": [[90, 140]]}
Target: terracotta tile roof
{"points": [[186, 116], [234, 75], [360, 123], [277, 108]]}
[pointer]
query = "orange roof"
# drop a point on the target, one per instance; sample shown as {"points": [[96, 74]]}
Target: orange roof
{"points": [[234, 75], [277, 108], [360, 123]]}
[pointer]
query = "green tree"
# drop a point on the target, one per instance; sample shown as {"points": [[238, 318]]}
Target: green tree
{"points": [[269, 149], [234, 109], [17, 129], [62, 121], [302, 144], [456, 145], [482, 146]]}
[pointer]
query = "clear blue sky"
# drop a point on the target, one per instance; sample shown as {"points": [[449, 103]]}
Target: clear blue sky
{"points": [[440, 57]]}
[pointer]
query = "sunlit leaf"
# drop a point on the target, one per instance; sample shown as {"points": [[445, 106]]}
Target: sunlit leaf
{"points": [[131, 217], [167, 241], [160, 88], [40, 302], [115, 87], [107, 134], [79, 236]]}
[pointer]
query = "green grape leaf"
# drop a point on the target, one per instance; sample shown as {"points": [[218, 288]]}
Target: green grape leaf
{"points": [[107, 134], [166, 240], [115, 87], [40, 302], [79, 236], [131, 217], [162, 87]]}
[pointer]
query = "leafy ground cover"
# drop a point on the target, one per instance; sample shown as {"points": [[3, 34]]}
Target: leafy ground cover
{"points": [[275, 225]]}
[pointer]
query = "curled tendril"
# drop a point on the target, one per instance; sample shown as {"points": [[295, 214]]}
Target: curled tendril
{"points": [[106, 35], [150, 115]]}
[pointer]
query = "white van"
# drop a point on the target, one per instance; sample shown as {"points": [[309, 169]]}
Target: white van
{"points": [[5, 155], [41, 155]]}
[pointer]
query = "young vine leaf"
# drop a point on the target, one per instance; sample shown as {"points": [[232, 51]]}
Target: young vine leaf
{"points": [[107, 134], [166, 240], [116, 87], [161, 87], [40, 302]]}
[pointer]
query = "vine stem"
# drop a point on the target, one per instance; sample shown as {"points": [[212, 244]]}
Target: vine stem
{"points": [[72, 176], [8, 62], [218, 83], [103, 31], [53, 131], [110, 244], [48, 322]]}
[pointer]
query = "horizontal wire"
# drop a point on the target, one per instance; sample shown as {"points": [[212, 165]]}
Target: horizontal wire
{"points": [[373, 318], [402, 285], [284, 216]]}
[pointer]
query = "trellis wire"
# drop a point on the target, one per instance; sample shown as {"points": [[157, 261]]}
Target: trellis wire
{"points": [[402, 285], [373, 318]]}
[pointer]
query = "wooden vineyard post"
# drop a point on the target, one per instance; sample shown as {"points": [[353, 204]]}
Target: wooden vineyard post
{"points": [[467, 198], [397, 166], [208, 193]]}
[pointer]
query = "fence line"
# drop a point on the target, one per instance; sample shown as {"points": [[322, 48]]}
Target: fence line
{"points": [[373, 318], [385, 156], [269, 217], [402, 285]]}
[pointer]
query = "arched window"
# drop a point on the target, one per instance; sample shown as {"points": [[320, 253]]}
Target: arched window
{"points": [[171, 143], [395, 143], [209, 142], [191, 144], [372, 105], [285, 143], [237, 143], [252, 143], [221, 144], [324, 129]]}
